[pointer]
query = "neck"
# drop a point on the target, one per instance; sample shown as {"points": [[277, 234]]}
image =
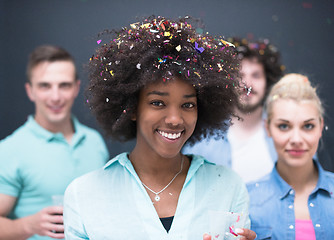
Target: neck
{"points": [[65, 127], [299, 177], [249, 123], [149, 163]]}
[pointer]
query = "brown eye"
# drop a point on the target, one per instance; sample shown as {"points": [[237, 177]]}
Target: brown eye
{"points": [[188, 105], [157, 103]]}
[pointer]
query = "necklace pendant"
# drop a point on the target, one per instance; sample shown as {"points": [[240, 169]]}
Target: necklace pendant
{"points": [[157, 198]]}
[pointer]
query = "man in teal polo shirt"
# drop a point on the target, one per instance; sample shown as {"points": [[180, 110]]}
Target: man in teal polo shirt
{"points": [[43, 156]]}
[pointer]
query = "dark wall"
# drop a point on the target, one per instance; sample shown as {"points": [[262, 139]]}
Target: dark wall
{"points": [[302, 30]]}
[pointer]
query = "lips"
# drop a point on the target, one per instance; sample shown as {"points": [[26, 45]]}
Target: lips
{"points": [[296, 152], [170, 135], [56, 109]]}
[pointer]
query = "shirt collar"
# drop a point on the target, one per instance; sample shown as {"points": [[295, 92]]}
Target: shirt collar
{"points": [[41, 132], [284, 188], [322, 181], [123, 159]]}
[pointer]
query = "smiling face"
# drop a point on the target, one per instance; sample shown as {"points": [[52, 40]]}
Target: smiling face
{"points": [[53, 88], [166, 117], [296, 129], [252, 73]]}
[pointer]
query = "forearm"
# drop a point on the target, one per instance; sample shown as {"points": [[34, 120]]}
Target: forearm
{"points": [[14, 229]]}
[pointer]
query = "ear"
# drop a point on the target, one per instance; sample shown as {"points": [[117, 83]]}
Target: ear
{"points": [[321, 125], [29, 92], [77, 86], [134, 117], [266, 124]]}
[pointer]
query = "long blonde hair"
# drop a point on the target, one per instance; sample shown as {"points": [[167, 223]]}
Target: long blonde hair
{"points": [[296, 87]]}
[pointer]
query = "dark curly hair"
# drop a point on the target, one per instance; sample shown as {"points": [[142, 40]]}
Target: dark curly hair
{"points": [[158, 49], [265, 53]]}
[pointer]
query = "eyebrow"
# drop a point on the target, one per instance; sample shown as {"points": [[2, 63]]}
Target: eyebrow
{"points": [[167, 94], [308, 120]]}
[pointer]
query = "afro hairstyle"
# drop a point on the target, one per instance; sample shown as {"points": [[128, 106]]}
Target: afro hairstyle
{"points": [[159, 49]]}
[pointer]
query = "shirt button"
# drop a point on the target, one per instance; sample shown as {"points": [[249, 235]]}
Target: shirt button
{"points": [[290, 206], [317, 225], [291, 226], [291, 192], [311, 205]]}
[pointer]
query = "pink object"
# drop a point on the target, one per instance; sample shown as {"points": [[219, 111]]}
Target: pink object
{"points": [[231, 231], [304, 230]]}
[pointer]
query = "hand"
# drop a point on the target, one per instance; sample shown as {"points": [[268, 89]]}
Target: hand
{"points": [[47, 222], [206, 237], [246, 233]]}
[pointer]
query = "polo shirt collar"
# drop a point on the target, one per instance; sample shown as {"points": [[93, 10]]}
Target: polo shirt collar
{"points": [[283, 188], [42, 133]]}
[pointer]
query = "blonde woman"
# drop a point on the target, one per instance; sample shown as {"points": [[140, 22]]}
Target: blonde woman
{"points": [[296, 200]]}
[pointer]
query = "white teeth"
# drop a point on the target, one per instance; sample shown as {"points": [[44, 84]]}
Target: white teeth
{"points": [[170, 135]]}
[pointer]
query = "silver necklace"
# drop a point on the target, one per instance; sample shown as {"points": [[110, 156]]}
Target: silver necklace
{"points": [[157, 197]]}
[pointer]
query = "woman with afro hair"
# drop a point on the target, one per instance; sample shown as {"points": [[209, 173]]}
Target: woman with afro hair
{"points": [[161, 83]]}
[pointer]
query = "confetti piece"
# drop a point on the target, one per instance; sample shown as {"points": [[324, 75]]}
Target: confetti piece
{"points": [[167, 34], [107, 99], [99, 41], [199, 49], [138, 65], [178, 48], [197, 74], [111, 73], [231, 231], [227, 43]]}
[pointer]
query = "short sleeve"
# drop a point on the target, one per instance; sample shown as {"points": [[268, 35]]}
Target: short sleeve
{"points": [[10, 180]]}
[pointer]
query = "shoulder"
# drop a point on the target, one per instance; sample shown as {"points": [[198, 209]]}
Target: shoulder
{"points": [[216, 173], [85, 183], [262, 190], [328, 178], [263, 182], [88, 131], [19, 136], [329, 175]]}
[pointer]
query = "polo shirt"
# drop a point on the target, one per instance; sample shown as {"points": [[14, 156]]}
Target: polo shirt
{"points": [[36, 164], [111, 203]]}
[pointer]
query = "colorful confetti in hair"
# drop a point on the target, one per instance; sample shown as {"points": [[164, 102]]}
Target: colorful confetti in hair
{"points": [[160, 49]]}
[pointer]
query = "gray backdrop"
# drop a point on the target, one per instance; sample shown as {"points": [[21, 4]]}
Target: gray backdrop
{"points": [[302, 30]]}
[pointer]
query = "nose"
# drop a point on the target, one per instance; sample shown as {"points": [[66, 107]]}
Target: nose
{"points": [[55, 94], [296, 137], [174, 117]]}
